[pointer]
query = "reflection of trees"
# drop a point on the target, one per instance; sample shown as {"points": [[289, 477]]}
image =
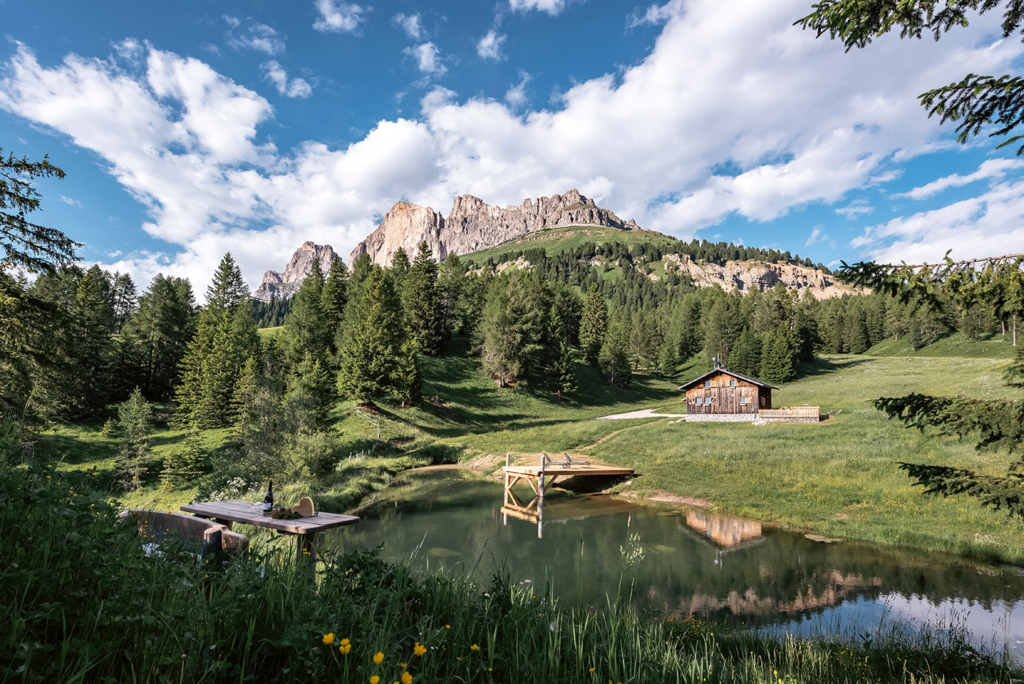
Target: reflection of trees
{"points": [[680, 575]]}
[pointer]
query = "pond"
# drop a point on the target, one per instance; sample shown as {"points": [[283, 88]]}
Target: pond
{"points": [[683, 562]]}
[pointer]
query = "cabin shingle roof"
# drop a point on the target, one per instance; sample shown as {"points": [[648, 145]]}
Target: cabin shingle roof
{"points": [[738, 376]]}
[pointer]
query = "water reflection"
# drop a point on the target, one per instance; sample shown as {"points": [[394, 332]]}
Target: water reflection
{"points": [[725, 531], [695, 562]]}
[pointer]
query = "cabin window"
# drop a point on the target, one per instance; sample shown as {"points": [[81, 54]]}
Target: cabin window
{"points": [[707, 383], [699, 400], [743, 400], [732, 383]]}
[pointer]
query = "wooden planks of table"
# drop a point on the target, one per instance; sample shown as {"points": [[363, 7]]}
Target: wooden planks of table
{"points": [[305, 529]]}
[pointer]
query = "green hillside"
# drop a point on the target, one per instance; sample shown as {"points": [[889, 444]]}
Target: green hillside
{"points": [[951, 345], [558, 240]]}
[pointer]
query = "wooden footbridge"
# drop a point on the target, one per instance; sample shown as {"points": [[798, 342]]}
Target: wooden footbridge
{"points": [[541, 477]]}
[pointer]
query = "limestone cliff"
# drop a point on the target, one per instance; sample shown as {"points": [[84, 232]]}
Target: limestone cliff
{"points": [[746, 275], [473, 224], [284, 285]]}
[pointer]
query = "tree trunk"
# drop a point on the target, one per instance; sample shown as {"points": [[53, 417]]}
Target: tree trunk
{"points": [[1014, 330]]}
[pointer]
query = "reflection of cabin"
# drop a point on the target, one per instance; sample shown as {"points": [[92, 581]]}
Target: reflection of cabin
{"points": [[724, 531], [721, 394]]}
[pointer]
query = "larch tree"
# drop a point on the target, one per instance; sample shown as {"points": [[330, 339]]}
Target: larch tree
{"points": [[613, 360]]}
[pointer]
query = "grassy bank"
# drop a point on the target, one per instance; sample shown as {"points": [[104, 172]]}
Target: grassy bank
{"points": [[83, 603], [459, 404], [838, 478]]}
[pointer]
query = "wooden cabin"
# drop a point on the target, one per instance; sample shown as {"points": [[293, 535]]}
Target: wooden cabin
{"points": [[721, 392]]}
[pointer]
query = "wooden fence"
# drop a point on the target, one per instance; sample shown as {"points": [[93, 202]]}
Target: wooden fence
{"points": [[802, 413]]}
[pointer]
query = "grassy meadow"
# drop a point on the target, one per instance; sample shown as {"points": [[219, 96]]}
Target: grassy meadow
{"points": [[837, 478]]}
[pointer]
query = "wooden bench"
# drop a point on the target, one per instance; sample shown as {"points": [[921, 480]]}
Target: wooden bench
{"points": [[162, 528]]}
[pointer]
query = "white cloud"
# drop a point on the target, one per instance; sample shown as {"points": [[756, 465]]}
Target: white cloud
{"points": [[987, 225], [338, 16], [655, 14], [816, 236], [411, 24], [515, 96], [70, 201], [991, 168], [490, 46], [797, 121], [258, 37], [275, 73], [428, 58], [854, 209], [552, 7], [233, 22]]}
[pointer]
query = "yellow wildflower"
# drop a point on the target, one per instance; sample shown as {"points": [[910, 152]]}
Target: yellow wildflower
{"points": [[590, 670], [329, 638], [403, 665], [374, 679], [474, 647], [345, 642], [447, 626], [345, 648], [406, 678], [419, 650], [379, 658]]}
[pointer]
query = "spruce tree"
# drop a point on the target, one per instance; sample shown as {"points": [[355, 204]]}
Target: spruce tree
{"points": [[400, 268], [513, 327], [360, 271], [310, 395], [410, 381], [132, 460], [746, 355], [89, 383], [334, 298], [562, 369], [306, 324], [423, 303], [163, 325], [593, 326], [371, 352], [777, 360], [228, 289], [452, 288]]}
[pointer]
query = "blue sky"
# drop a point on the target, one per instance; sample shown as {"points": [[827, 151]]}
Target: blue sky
{"points": [[189, 129]]}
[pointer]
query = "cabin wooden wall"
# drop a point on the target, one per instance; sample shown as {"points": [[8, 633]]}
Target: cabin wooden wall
{"points": [[727, 397]]}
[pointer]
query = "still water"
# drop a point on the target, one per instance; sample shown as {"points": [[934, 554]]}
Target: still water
{"points": [[687, 562]]}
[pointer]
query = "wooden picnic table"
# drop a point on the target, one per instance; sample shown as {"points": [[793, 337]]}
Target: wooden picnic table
{"points": [[305, 529]]}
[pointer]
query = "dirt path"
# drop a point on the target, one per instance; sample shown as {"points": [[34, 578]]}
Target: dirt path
{"points": [[645, 413]]}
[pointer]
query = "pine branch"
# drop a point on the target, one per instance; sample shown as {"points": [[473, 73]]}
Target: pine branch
{"points": [[857, 22], [997, 493], [978, 101], [999, 423]]}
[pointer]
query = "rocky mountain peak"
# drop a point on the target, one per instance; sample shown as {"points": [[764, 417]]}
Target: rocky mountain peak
{"points": [[284, 285], [472, 224]]}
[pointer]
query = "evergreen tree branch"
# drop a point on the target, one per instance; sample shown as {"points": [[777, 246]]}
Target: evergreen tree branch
{"points": [[997, 493], [857, 22], [999, 423]]}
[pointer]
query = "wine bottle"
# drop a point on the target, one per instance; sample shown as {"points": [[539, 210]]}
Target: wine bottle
{"points": [[268, 500]]}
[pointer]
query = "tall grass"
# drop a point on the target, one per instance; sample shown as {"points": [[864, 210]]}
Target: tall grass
{"points": [[81, 602]]}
